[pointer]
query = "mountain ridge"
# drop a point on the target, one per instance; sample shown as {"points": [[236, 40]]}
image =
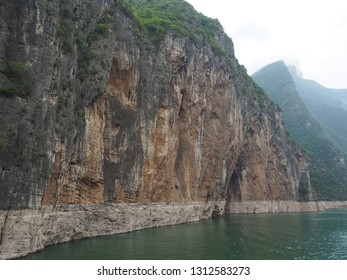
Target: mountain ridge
{"points": [[327, 108], [323, 155]]}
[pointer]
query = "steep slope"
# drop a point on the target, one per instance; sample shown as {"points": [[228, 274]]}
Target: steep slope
{"points": [[328, 106], [131, 106], [340, 95], [327, 163]]}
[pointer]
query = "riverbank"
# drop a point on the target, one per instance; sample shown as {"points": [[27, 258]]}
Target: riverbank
{"points": [[281, 206], [29, 230], [284, 236]]}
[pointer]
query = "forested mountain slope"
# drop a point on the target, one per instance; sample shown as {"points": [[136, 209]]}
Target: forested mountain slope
{"points": [[327, 165]]}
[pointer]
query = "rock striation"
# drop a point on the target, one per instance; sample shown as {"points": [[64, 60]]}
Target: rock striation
{"points": [[110, 120]]}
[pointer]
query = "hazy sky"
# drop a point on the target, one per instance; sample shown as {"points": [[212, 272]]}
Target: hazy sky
{"points": [[314, 33]]}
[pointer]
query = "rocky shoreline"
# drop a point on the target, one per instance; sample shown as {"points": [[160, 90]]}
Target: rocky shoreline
{"points": [[282, 206], [30, 230]]}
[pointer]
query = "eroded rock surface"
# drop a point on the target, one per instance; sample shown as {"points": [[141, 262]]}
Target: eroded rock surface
{"points": [[112, 119]]}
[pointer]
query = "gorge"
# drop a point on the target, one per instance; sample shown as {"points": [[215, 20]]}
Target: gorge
{"points": [[123, 115]]}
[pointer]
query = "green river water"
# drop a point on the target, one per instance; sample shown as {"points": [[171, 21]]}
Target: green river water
{"points": [[321, 235]]}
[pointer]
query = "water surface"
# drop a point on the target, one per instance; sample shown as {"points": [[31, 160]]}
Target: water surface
{"points": [[321, 235]]}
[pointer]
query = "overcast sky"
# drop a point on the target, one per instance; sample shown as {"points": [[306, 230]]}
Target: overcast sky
{"points": [[313, 33]]}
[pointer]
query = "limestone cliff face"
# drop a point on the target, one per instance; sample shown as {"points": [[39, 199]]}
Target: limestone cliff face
{"points": [[112, 119], [96, 118], [265, 170], [47, 78]]}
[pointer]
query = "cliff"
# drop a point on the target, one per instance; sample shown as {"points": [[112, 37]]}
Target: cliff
{"points": [[97, 111]]}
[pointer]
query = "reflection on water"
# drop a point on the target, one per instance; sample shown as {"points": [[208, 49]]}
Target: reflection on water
{"points": [[321, 235]]}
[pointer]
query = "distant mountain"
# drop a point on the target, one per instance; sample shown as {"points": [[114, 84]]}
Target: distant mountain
{"points": [[328, 106], [311, 125], [341, 95]]}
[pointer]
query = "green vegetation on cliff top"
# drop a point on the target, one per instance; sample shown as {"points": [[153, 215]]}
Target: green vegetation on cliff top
{"points": [[157, 17]]}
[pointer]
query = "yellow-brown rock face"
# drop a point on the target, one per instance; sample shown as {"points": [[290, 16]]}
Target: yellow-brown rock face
{"points": [[120, 120], [119, 132], [181, 126]]}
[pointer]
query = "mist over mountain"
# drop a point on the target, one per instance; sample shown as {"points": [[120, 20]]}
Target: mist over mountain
{"points": [[294, 68], [328, 106], [314, 117]]}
